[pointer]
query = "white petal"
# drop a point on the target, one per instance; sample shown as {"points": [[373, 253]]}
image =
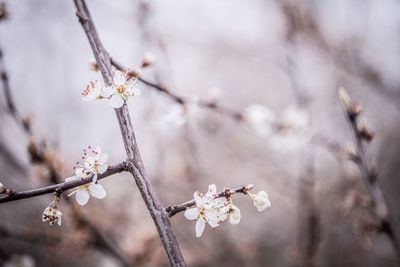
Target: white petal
{"points": [[82, 197], [107, 91], [97, 152], [198, 199], [116, 101], [89, 162], [212, 189], [213, 223], [200, 224], [119, 78], [103, 159], [80, 173], [97, 191], [102, 168], [192, 214], [94, 179]]}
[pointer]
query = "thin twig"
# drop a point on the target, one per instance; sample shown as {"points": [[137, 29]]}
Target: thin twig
{"points": [[181, 100], [172, 210], [61, 187], [134, 162], [371, 182]]}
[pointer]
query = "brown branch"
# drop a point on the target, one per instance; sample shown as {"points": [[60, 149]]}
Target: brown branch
{"points": [[61, 187], [181, 100], [134, 162], [172, 210], [370, 180]]}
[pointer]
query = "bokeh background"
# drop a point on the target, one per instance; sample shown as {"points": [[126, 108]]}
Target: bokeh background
{"points": [[289, 56]]}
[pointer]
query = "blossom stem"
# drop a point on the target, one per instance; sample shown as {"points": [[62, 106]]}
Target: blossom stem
{"points": [[61, 187], [172, 210]]}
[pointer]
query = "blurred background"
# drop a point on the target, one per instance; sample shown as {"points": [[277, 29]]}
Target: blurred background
{"points": [[276, 63]]}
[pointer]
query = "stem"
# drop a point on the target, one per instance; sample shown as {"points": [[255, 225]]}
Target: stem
{"points": [[61, 187], [134, 161]]}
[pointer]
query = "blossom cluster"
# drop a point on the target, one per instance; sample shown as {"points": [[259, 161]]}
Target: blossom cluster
{"points": [[118, 92], [213, 209]]}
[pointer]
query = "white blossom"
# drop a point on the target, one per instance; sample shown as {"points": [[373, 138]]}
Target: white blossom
{"points": [[93, 162], [233, 213], [294, 118], [20, 260], [208, 210], [94, 90], [148, 59], [121, 89], [260, 118], [260, 200], [83, 193], [52, 214], [183, 114]]}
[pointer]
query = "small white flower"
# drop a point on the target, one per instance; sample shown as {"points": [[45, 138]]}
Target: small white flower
{"points": [[121, 89], [233, 213], [52, 214], [260, 200], [182, 114], [148, 59], [94, 162], [93, 91], [207, 210], [260, 118], [83, 193], [214, 94], [294, 118]]}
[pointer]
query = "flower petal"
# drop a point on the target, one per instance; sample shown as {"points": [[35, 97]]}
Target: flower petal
{"points": [[197, 198], [102, 168], [212, 189], [103, 159], [119, 78], [200, 224], [107, 91], [82, 197], [192, 214], [97, 191], [116, 101]]}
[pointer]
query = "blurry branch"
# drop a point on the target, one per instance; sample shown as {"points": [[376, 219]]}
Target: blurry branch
{"points": [[212, 105], [301, 19], [61, 187], [134, 161], [29, 236], [172, 210], [368, 170]]}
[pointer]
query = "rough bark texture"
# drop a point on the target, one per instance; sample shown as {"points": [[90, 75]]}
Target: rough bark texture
{"points": [[134, 161]]}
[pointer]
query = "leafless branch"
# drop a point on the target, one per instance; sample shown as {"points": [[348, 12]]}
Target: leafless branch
{"points": [[134, 162], [61, 187]]}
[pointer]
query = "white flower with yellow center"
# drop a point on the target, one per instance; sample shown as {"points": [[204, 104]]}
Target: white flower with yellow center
{"points": [[233, 213], [121, 89], [208, 210], [94, 162], [260, 200], [83, 193], [260, 118]]}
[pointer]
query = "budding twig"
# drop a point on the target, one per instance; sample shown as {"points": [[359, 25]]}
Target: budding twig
{"points": [[172, 210], [369, 175], [61, 187]]}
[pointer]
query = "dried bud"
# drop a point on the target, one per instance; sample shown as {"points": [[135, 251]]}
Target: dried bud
{"points": [[351, 151], [34, 151], [351, 107], [148, 60], [3, 189], [93, 64], [135, 72], [365, 133]]}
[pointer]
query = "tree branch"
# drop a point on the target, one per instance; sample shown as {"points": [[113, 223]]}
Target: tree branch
{"points": [[370, 180], [61, 187], [172, 210], [181, 100], [134, 162]]}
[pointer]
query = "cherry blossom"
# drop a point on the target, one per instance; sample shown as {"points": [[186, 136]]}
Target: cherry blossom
{"points": [[93, 162], [121, 89], [233, 213], [260, 118], [208, 210], [83, 193], [94, 90]]}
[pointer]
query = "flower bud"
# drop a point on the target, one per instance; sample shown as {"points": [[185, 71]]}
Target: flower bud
{"points": [[351, 107], [365, 133], [93, 64], [260, 200], [214, 94], [135, 72], [52, 214], [148, 60], [3, 189], [233, 214]]}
